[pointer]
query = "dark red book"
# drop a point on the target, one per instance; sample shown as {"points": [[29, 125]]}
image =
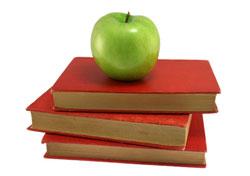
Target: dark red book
{"points": [[63, 147], [172, 86], [158, 130]]}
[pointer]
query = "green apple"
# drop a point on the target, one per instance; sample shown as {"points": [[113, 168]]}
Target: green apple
{"points": [[125, 47]]}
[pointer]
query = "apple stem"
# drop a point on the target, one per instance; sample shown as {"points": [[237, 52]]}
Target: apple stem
{"points": [[128, 15]]}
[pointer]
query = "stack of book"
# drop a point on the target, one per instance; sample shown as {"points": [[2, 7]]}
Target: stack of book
{"points": [[157, 120]]}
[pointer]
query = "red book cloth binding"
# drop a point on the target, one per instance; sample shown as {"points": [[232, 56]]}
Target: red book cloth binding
{"points": [[168, 76]]}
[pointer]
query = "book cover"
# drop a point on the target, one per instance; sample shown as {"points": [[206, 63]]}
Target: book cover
{"points": [[168, 76]]}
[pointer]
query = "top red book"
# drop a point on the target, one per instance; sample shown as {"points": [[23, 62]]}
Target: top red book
{"points": [[172, 86]]}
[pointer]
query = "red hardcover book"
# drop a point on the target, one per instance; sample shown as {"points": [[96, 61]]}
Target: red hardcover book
{"points": [[172, 86], [157, 130], [63, 147]]}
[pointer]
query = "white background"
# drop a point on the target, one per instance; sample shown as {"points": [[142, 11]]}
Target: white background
{"points": [[38, 40]]}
